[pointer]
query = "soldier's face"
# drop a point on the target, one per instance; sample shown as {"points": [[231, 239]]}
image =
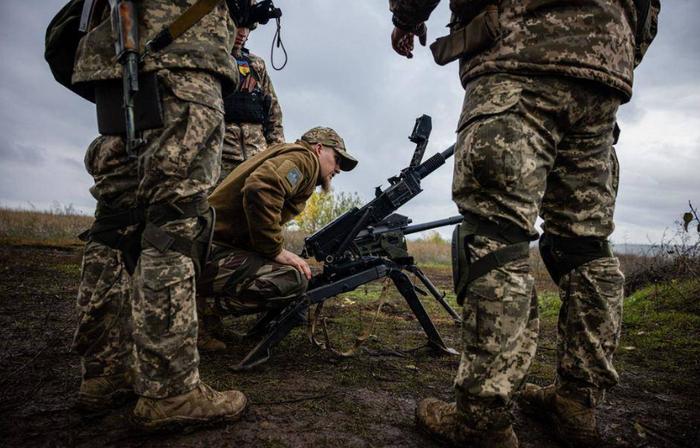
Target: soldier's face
{"points": [[330, 165], [241, 37]]}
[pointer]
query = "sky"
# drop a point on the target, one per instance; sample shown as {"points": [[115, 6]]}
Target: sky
{"points": [[343, 73]]}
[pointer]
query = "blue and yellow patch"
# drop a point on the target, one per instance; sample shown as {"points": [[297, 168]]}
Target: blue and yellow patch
{"points": [[243, 68]]}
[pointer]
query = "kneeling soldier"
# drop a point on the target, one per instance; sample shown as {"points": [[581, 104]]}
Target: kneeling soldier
{"points": [[249, 264]]}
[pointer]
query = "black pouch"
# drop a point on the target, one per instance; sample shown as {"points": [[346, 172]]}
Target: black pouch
{"points": [[148, 106], [466, 40], [244, 107]]}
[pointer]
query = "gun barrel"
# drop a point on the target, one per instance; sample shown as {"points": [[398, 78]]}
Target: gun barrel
{"points": [[432, 224], [435, 162]]}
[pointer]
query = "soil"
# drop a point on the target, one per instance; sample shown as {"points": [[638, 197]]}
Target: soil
{"points": [[303, 396]]}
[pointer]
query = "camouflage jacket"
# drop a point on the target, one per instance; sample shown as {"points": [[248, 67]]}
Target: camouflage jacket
{"points": [[262, 194], [205, 46], [589, 39], [244, 140]]}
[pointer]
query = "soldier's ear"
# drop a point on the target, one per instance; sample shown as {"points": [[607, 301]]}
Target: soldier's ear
{"points": [[318, 148]]}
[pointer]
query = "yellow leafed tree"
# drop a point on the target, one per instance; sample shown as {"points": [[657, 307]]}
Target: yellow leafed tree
{"points": [[322, 208]]}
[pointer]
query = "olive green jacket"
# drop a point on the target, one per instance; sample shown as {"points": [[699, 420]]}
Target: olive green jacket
{"points": [[588, 39], [205, 46], [262, 194]]}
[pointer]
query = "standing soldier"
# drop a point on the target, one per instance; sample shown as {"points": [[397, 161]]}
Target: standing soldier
{"points": [[252, 113], [543, 82], [155, 203]]}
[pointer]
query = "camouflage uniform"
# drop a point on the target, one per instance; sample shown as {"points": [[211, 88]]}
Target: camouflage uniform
{"points": [[535, 137], [252, 206], [243, 140], [179, 162]]}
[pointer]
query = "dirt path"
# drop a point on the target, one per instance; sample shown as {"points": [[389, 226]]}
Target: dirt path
{"points": [[303, 397]]}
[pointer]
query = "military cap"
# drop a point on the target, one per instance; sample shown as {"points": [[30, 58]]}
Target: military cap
{"points": [[328, 137]]}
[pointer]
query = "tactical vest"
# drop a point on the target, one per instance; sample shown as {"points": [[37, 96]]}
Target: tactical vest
{"points": [[247, 107]]}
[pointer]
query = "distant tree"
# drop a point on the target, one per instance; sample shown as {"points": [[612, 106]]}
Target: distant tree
{"points": [[322, 208]]}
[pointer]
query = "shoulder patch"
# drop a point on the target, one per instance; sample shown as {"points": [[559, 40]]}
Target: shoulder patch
{"points": [[294, 176]]}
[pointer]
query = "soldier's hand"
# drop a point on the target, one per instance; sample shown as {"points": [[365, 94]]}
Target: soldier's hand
{"points": [[402, 41], [291, 259]]}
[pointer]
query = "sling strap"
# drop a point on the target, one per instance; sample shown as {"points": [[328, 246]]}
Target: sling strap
{"points": [[183, 23]]}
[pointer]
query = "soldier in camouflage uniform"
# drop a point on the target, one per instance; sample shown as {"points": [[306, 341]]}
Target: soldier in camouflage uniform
{"points": [[147, 323], [543, 83], [250, 268], [253, 114], [253, 122]]}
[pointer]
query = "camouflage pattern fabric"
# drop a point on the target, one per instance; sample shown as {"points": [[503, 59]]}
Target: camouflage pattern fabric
{"points": [[205, 46], [525, 141], [179, 161], [250, 282], [103, 336], [589, 326], [586, 39], [244, 140]]}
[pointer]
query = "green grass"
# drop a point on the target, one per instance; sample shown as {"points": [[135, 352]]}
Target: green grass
{"points": [[661, 327]]}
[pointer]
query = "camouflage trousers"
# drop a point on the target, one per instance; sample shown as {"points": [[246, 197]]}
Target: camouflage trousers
{"points": [[179, 161], [248, 282], [530, 146]]}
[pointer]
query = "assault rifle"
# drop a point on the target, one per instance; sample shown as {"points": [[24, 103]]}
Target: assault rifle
{"points": [[362, 245]]}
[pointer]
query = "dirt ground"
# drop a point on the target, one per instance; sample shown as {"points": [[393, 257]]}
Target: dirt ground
{"points": [[303, 396]]}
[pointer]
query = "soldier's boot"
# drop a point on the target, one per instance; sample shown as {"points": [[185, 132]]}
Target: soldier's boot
{"points": [[104, 392], [208, 343], [573, 418], [200, 406], [210, 326], [444, 422]]}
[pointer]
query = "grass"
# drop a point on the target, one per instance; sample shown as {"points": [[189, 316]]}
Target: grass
{"points": [[25, 227], [662, 326]]}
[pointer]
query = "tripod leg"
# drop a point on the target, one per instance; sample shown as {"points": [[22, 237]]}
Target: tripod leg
{"points": [[405, 287], [289, 318], [435, 293], [262, 323]]}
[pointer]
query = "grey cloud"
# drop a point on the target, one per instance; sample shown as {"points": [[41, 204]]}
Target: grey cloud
{"points": [[23, 154]]}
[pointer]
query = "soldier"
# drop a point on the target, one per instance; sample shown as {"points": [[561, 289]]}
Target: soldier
{"points": [[250, 266], [252, 113], [253, 122], [161, 191], [543, 83]]}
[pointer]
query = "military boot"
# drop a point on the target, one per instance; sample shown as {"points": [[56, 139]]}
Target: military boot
{"points": [[572, 417], [104, 392], [200, 406], [444, 422], [208, 343]]}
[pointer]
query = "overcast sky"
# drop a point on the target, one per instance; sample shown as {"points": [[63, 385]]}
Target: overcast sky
{"points": [[342, 73]]}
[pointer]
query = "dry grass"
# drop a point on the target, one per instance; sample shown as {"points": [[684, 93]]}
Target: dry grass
{"points": [[35, 226]]}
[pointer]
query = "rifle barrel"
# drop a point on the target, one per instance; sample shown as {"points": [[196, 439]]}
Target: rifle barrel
{"points": [[432, 224]]}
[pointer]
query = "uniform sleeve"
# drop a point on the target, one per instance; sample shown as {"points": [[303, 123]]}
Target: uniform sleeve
{"points": [[264, 195], [648, 31], [408, 14], [274, 132]]}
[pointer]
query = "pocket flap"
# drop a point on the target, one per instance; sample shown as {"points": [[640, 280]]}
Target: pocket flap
{"points": [[484, 100], [167, 271]]}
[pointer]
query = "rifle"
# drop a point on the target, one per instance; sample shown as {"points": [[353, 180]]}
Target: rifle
{"points": [[362, 245], [126, 27]]}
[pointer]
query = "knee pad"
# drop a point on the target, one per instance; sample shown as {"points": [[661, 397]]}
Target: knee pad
{"points": [[196, 248], [465, 270], [109, 229], [562, 255]]}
